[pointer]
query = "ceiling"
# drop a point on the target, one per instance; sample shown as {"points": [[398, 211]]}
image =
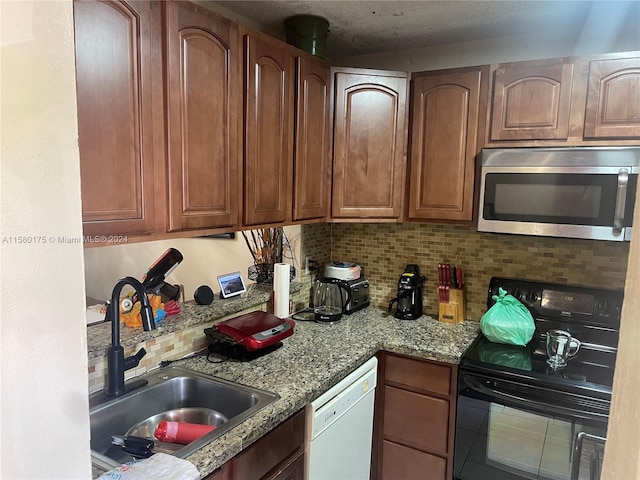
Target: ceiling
{"points": [[362, 27]]}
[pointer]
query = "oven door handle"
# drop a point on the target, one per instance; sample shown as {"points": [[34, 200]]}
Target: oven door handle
{"points": [[526, 403], [577, 455]]}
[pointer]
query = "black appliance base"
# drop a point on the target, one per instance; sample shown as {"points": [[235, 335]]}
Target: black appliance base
{"points": [[238, 352]]}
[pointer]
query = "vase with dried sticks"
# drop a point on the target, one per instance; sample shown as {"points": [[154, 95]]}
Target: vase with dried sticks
{"points": [[267, 247]]}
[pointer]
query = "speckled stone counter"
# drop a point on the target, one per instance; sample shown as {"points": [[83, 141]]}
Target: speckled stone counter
{"points": [[315, 358], [99, 336]]}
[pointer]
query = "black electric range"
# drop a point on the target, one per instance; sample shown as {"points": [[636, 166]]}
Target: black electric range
{"points": [[517, 417], [584, 385]]}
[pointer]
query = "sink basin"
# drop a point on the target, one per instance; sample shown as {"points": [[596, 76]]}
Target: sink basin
{"points": [[173, 394]]}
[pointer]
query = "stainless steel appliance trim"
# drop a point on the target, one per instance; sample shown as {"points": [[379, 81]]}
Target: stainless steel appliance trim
{"points": [[579, 157], [577, 453], [589, 232], [621, 200]]}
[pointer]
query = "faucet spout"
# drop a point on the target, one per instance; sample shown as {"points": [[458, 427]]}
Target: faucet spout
{"points": [[117, 364]]}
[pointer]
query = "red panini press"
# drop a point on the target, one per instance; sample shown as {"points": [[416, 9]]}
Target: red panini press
{"points": [[249, 336]]}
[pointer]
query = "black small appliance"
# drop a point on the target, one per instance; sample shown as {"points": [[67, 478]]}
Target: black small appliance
{"points": [[409, 297], [154, 279]]}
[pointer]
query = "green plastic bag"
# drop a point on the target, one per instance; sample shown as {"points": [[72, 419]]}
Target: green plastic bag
{"points": [[506, 356], [508, 321]]}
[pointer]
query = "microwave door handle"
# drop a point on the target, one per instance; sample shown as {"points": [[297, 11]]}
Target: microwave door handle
{"points": [[621, 200]]}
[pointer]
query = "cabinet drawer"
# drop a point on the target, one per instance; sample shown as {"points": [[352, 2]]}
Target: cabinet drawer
{"points": [[402, 462], [416, 420], [268, 452], [414, 373]]}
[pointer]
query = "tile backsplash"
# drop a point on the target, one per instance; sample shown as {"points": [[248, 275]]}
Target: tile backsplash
{"points": [[383, 250]]}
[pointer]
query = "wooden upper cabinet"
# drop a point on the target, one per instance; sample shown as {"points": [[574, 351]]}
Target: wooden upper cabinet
{"points": [[369, 156], [446, 111], [531, 102], [116, 61], [203, 107], [268, 155], [312, 167], [613, 99]]}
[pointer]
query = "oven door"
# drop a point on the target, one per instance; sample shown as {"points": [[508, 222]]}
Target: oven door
{"points": [[501, 435]]}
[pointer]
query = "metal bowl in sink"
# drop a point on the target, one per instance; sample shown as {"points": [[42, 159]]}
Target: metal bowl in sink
{"points": [[202, 416], [174, 392]]}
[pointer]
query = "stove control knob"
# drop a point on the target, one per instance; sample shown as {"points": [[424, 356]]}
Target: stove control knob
{"points": [[531, 297], [517, 293], [603, 307]]}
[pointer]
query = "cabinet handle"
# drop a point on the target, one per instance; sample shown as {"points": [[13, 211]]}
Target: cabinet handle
{"points": [[621, 200]]}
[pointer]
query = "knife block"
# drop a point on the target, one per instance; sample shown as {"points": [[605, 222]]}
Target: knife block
{"points": [[454, 311]]}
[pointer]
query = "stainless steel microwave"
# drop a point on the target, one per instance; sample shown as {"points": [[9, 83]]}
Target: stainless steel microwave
{"points": [[582, 192]]}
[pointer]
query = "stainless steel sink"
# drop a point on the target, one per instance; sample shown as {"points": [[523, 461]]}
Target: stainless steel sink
{"points": [[172, 393]]}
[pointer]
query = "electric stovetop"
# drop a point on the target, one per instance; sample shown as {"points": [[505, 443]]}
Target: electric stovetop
{"points": [[590, 315]]}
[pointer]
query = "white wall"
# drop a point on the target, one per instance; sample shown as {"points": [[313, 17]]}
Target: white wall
{"points": [[606, 30], [44, 413], [204, 260]]}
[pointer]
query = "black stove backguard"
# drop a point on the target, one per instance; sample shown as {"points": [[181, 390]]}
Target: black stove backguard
{"points": [[589, 314]]}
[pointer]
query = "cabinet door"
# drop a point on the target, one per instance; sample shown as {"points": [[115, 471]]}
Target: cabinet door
{"points": [[203, 90], [292, 469], [268, 160], [115, 65], [613, 99], [369, 143], [311, 162], [274, 452], [444, 143], [415, 420], [399, 462], [531, 102]]}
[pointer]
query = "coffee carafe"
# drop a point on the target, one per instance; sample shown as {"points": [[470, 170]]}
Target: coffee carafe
{"points": [[409, 297], [328, 302]]}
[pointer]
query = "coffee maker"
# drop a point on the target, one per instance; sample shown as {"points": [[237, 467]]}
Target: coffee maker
{"points": [[409, 297]]}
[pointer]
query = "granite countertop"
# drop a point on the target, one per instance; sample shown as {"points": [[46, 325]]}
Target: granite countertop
{"points": [[312, 360], [99, 335], [315, 358]]}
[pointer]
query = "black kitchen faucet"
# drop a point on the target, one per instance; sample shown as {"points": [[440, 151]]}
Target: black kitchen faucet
{"points": [[116, 363]]}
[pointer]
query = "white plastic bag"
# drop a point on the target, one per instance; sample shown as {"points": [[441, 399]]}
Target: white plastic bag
{"points": [[159, 466]]}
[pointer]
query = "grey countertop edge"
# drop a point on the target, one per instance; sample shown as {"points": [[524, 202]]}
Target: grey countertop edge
{"points": [[314, 359], [99, 335]]}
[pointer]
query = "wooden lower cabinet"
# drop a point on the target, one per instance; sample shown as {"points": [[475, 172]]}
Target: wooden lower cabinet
{"points": [[415, 419], [401, 462], [279, 455]]}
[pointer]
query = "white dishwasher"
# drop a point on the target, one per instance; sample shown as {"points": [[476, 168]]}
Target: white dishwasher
{"points": [[341, 428]]}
